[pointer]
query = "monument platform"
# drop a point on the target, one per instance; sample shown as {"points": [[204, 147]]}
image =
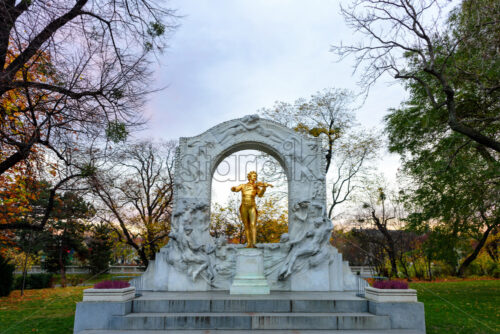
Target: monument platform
{"points": [[278, 312], [390, 331]]}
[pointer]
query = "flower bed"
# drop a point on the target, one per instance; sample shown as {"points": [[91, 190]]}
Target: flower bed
{"points": [[390, 285], [391, 291], [111, 285], [109, 291]]}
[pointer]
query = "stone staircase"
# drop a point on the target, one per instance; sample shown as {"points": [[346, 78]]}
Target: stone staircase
{"points": [[213, 312]]}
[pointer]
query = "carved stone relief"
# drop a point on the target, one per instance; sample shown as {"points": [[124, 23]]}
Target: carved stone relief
{"points": [[198, 257]]}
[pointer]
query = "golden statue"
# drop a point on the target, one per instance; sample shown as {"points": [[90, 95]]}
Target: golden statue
{"points": [[248, 208]]}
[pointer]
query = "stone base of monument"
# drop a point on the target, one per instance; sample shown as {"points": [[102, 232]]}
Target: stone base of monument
{"points": [[278, 312], [249, 278]]}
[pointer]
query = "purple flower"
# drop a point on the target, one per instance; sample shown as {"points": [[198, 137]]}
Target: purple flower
{"points": [[390, 285], [111, 285]]}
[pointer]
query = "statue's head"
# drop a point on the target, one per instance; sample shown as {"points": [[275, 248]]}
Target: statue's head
{"points": [[252, 176]]}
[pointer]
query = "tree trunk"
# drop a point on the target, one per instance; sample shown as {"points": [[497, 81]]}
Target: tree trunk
{"points": [[429, 268], [405, 268], [492, 247], [390, 248], [475, 253], [144, 258], [392, 258], [329, 154], [19, 156], [418, 272], [25, 270], [62, 268], [455, 123]]}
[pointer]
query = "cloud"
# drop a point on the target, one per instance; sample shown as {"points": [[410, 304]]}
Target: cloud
{"points": [[231, 58]]}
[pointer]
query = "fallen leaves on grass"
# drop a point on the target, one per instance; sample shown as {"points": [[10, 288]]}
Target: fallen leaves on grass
{"points": [[15, 298]]}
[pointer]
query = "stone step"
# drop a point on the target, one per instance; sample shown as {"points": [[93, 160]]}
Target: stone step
{"points": [[217, 331], [249, 305], [250, 321]]}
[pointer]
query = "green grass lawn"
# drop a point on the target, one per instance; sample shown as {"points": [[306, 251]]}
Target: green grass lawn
{"points": [[39, 311], [450, 307], [91, 279], [468, 307]]}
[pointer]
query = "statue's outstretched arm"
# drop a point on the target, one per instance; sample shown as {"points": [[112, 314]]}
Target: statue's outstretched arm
{"points": [[236, 189]]}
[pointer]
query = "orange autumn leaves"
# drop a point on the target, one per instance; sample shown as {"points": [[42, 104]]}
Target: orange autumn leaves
{"points": [[272, 221], [23, 110], [23, 118], [12, 301], [15, 196], [27, 113], [17, 192]]}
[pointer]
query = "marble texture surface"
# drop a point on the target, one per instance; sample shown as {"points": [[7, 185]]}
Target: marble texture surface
{"points": [[249, 277], [109, 295], [391, 295]]}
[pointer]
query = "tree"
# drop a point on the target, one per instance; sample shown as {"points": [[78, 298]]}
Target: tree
{"points": [[369, 244], [492, 247], [447, 131], [272, 221], [135, 191], [454, 63], [329, 116], [352, 153], [225, 221], [21, 189], [17, 124], [39, 219], [455, 178], [100, 248], [457, 203], [384, 210], [63, 239], [455, 186], [77, 69], [16, 193]]}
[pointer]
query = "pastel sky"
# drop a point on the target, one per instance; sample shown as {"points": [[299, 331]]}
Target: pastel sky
{"points": [[230, 58]]}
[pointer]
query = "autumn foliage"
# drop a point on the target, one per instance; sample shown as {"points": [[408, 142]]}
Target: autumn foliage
{"points": [[18, 190], [25, 117]]}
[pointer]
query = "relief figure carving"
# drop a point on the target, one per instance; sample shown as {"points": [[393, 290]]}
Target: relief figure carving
{"points": [[247, 124], [306, 248]]}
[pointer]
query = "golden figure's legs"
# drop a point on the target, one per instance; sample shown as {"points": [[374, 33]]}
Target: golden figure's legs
{"points": [[252, 213], [244, 218], [248, 214]]}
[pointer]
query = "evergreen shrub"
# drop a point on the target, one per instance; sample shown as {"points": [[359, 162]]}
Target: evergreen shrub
{"points": [[34, 281], [6, 276]]}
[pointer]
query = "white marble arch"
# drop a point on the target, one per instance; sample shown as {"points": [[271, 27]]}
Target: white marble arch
{"points": [[198, 157], [303, 260]]}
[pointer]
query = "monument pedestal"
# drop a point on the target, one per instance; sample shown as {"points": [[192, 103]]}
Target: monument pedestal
{"points": [[249, 278]]}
